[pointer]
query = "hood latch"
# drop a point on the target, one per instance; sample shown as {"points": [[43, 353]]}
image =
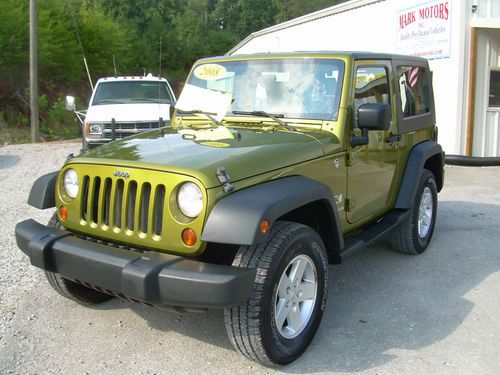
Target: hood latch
{"points": [[225, 180]]}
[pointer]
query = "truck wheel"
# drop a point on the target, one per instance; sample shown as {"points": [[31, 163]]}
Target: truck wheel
{"points": [[413, 235], [282, 315], [68, 288]]}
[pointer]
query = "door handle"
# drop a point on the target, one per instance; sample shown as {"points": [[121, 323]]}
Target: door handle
{"points": [[393, 138]]}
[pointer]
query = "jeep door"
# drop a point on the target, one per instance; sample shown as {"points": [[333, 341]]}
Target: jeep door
{"points": [[371, 167]]}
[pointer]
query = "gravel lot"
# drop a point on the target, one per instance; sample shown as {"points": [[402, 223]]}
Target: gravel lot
{"points": [[387, 313]]}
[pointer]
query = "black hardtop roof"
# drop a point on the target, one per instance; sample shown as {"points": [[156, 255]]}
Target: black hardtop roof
{"points": [[356, 55]]}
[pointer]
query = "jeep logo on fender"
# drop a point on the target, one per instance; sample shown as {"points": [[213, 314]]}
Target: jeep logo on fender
{"points": [[121, 174]]}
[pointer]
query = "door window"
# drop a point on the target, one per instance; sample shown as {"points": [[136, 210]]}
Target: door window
{"points": [[372, 86]]}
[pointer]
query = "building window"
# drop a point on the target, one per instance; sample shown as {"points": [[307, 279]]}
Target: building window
{"points": [[414, 90], [494, 89]]}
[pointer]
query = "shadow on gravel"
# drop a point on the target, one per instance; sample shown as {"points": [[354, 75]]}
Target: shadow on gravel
{"points": [[7, 161], [205, 326], [381, 301]]}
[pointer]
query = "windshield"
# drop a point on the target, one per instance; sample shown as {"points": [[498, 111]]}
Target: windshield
{"points": [[126, 92], [296, 88]]}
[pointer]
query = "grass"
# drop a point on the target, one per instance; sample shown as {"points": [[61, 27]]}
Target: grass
{"points": [[9, 136]]}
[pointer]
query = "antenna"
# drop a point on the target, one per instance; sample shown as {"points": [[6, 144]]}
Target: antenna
{"points": [[88, 73], [159, 78], [114, 64], [81, 47], [159, 69]]}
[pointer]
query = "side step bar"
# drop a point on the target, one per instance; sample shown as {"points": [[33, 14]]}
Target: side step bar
{"points": [[372, 233]]}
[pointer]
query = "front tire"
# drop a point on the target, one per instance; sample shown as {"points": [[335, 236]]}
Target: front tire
{"points": [[413, 235], [283, 313], [68, 288]]}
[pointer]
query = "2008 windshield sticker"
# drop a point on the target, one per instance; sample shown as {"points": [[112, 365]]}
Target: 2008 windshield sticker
{"points": [[215, 144], [210, 71]]}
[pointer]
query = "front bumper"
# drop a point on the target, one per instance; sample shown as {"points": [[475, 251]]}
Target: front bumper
{"points": [[151, 277]]}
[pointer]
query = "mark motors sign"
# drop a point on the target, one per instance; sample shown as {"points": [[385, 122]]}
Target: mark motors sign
{"points": [[425, 30]]}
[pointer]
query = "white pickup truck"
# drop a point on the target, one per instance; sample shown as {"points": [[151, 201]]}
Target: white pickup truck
{"points": [[123, 106]]}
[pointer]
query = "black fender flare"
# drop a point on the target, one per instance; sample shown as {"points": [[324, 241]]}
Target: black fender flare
{"points": [[417, 159], [42, 194], [235, 218]]}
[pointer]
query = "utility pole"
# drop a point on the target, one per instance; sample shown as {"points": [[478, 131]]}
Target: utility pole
{"points": [[35, 135]]}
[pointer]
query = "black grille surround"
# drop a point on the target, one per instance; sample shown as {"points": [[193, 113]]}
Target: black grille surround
{"points": [[133, 206]]}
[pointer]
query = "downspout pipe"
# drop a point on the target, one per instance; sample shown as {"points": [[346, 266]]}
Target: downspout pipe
{"points": [[472, 161]]}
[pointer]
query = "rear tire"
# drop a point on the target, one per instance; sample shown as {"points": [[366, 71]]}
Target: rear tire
{"points": [[68, 288], [413, 235], [283, 313]]}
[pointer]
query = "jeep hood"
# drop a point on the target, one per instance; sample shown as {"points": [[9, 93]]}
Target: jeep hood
{"points": [[128, 112], [243, 152]]}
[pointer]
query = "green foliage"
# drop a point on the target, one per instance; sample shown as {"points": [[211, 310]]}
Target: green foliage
{"points": [[58, 56], [60, 122], [101, 39], [129, 30], [14, 31], [255, 15]]}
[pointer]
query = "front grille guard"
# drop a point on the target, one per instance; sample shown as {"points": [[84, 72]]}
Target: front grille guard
{"points": [[119, 130]]}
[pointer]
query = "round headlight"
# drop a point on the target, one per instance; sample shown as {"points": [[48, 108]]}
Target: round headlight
{"points": [[190, 199], [95, 129], [71, 183]]}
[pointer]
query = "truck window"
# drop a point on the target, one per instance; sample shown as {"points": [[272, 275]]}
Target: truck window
{"points": [[126, 92], [414, 90]]}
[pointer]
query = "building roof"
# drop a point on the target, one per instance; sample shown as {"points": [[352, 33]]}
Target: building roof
{"points": [[340, 8]]}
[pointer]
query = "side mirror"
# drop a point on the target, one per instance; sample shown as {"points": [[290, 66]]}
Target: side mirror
{"points": [[70, 103], [374, 116], [371, 116]]}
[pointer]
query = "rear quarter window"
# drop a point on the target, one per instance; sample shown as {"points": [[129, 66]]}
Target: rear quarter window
{"points": [[415, 97], [414, 90]]}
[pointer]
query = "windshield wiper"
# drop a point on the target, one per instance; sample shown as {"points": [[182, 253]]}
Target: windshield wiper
{"points": [[148, 100], [274, 116], [199, 112], [109, 101]]}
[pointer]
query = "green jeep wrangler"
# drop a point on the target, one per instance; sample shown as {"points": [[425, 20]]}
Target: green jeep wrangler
{"points": [[272, 167]]}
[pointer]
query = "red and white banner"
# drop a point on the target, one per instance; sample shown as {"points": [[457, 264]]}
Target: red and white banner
{"points": [[425, 29], [413, 76]]}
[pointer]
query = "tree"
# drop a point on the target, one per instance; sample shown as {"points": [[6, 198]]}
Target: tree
{"points": [[131, 31], [289, 9]]}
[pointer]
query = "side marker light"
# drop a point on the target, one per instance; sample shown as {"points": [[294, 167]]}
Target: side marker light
{"points": [[63, 213], [189, 237], [264, 226]]}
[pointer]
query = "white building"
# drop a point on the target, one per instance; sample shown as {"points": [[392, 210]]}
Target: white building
{"points": [[461, 39]]}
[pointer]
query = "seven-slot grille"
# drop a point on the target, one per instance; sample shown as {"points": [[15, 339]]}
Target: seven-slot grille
{"points": [[125, 129], [123, 205]]}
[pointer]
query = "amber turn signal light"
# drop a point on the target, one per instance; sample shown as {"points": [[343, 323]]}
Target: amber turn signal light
{"points": [[264, 226], [189, 237], [63, 213]]}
